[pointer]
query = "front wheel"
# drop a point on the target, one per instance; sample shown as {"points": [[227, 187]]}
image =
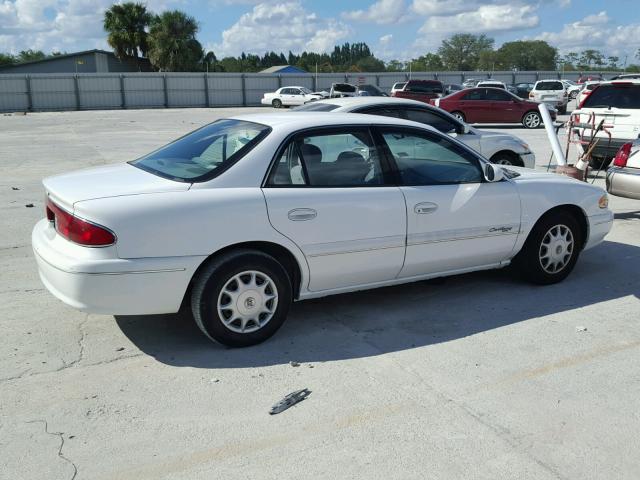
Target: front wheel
{"points": [[276, 103], [551, 250], [459, 116], [241, 298], [531, 120]]}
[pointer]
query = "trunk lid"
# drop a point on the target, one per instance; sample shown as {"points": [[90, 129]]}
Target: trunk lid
{"points": [[106, 181]]}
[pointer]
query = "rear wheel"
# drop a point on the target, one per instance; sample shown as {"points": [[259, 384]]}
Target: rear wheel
{"points": [[599, 163], [241, 298], [277, 103], [531, 120], [562, 110], [551, 250], [459, 116], [573, 95]]}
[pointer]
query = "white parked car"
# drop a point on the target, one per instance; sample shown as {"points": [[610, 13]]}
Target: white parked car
{"points": [[398, 86], [617, 103], [551, 92], [492, 84], [585, 91], [289, 97], [245, 215], [500, 148], [572, 88]]}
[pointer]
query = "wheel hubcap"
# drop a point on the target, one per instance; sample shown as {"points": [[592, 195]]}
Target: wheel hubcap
{"points": [[532, 120], [247, 301], [503, 161], [458, 116], [556, 249]]}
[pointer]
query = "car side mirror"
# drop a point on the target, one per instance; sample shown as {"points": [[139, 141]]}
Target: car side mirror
{"points": [[493, 173]]}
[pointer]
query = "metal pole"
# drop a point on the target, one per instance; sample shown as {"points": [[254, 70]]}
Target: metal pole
{"points": [[166, 93], [244, 90], [206, 89], [123, 98], [29, 96], [77, 90]]}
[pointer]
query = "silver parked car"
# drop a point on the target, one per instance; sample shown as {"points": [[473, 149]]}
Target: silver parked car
{"points": [[623, 178]]}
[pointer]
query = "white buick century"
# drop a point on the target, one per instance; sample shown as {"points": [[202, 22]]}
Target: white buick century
{"points": [[247, 214]]}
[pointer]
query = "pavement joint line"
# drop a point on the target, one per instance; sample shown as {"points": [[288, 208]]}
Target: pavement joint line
{"points": [[60, 435]]}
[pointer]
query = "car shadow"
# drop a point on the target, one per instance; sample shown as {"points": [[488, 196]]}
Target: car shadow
{"points": [[396, 318]]}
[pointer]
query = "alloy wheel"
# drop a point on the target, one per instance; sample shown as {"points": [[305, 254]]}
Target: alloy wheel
{"points": [[556, 249]]}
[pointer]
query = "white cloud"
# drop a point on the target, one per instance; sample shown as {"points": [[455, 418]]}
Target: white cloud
{"points": [[382, 12], [598, 32], [487, 18], [385, 39], [280, 27]]}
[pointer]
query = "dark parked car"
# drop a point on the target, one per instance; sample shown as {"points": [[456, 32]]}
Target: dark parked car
{"points": [[491, 105], [421, 90], [368, 90], [521, 89]]}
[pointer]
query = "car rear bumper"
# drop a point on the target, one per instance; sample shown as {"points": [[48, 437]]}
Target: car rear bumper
{"points": [[624, 182], [112, 286], [599, 226], [606, 148]]}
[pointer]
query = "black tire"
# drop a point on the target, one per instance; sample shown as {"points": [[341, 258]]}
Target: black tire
{"points": [[599, 163], [529, 263], [459, 115], [562, 110], [573, 95], [207, 290], [276, 103], [531, 119], [507, 158]]}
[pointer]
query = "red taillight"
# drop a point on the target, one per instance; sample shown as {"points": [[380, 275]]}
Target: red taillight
{"points": [[622, 156], [78, 230]]}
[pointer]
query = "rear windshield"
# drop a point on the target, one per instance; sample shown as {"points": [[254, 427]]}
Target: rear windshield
{"points": [[204, 153], [316, 107], [549, 86], [618, 96], [344, 87]]}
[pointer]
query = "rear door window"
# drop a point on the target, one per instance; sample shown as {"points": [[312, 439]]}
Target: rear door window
{"points": [[616, 96], [478, 94], [436, 121]]}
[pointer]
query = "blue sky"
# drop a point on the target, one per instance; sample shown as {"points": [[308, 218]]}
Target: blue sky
{"points": [[393, 28]]}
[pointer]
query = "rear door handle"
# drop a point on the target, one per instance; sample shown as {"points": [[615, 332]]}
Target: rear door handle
{"points": [[425, 207], [302, 214]]}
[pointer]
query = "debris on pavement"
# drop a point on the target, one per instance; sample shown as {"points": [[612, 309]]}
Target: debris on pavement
{"points": [[29, 205], [119, 349], [15, 188], [581, 329], [289, 401], [294, 364]]}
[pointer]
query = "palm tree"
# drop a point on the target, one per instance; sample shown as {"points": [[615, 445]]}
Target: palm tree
{"points": [[126, 25], [172, 42]]}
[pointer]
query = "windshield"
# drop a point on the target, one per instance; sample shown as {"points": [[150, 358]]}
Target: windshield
{"points": [[618, 96], [316, 107], [305, 90], [204, 153]]}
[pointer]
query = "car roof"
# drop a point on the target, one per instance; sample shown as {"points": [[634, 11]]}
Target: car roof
{"points": [[620, 81], [346, 102], [293, 121]]}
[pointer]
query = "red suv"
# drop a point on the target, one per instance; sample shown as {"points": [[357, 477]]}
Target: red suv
{"points": [[491, 105], [422, 90]]}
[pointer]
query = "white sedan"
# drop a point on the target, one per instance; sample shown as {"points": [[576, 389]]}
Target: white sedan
{"points": [[500, 148], [245, 215], [289, 97]]}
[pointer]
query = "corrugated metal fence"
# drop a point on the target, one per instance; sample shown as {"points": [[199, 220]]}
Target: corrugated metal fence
{"points": [[41, 92]]}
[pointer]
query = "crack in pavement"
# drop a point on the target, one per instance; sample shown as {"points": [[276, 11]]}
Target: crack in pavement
{"points": [[60, 435], [80, 346]]}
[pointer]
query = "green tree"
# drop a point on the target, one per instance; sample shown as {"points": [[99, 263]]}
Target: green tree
{"points": [[590, 58], [126, 26], [612, 62], [7, 59], [429, 62], [172, 42], [487, 60], [462, 51], [370, 64], [395, 66], [30, 56], [527, 55]]}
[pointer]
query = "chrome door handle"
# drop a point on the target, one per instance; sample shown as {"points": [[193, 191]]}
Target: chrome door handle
{"points": [[301, 214], [426, 207]]}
